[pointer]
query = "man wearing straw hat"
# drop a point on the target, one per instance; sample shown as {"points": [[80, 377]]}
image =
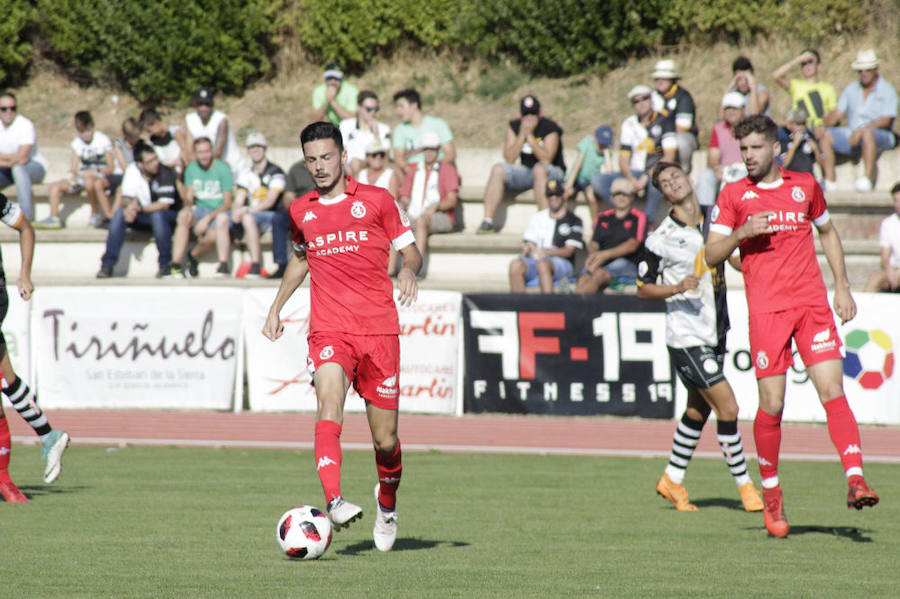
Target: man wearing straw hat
{"points": [[870, 105]]}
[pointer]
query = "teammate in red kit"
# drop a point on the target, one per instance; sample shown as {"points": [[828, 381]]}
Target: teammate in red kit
{"points": [[342, 231], [769, 215]]}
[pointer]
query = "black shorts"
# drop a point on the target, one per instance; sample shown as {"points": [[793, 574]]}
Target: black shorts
{"points": [[698, 367]]}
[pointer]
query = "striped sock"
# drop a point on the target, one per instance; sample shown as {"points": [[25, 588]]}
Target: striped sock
{"points": [[685, 440], [733, 449], [25, 402]]}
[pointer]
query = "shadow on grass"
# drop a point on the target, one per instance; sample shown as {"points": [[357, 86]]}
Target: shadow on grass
{"points": [[402, 544], [731, 504], [857, 535], [36, 491]]}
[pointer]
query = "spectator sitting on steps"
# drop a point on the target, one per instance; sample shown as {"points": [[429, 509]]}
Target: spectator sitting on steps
{"points": [[888, 278]]}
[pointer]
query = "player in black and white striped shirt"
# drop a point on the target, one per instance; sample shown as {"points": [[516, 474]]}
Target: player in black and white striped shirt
{"points": [[696, 323]]}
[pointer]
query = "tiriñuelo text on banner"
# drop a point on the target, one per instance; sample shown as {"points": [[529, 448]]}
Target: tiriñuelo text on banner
{"points": [[136, 347], [277, 374]]}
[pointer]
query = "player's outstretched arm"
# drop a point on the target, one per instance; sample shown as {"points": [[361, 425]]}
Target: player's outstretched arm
{"points": [[26, 248], [406, 278], [652, 291], [294, 274], [844, 305]]}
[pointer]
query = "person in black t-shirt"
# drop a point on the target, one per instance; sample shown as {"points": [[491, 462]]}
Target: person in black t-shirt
{"points": [[148, 199], [799, 150], [536, 142], [618, 235], [551, 239]]}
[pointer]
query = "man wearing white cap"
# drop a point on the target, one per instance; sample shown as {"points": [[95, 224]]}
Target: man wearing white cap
{"points": [[870, 105], [377, 172], [670, 99], [257, 207], [646, 137], [724, 162], [208, 122], [335, 99]]}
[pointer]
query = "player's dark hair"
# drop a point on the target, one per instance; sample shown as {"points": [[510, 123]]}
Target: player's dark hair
{"points": [[148, 117], [322, 130], [757, 123], [659, 168], [141, 148], [741, 63], [815, 53], [83, 121], [202, 139], [895, 188], [410, 95], [364, 95]]}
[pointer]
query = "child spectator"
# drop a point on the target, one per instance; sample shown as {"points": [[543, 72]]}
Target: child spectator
{"points": [[594, 158], [92, 163], [799, 150]]}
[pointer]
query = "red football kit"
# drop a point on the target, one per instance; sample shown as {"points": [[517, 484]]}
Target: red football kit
{"points": [[786, 295], [353, 317]]}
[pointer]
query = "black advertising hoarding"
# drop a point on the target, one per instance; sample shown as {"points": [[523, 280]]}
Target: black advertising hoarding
{"points": [[567, 355]]}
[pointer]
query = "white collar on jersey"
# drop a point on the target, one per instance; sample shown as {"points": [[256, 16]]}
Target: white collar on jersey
{"points": [[331, 201]]}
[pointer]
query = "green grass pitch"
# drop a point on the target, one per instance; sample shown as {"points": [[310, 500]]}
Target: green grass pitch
{"points": [[172, 522]]}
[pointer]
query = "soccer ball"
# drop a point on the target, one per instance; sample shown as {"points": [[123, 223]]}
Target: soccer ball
{"points": [[869, 358], [304, 532]]}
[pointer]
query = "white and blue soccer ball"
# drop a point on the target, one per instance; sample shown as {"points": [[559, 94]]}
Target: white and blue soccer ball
{"points": [[304, 532]]}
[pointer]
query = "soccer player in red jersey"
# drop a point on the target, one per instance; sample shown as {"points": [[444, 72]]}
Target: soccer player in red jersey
{"points": [[769, 215], [342, 231]]}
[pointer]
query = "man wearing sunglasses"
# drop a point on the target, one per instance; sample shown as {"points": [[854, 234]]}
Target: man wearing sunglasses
{"points": [[646, 137], [814, 97], [364, 130], [20, 161]]}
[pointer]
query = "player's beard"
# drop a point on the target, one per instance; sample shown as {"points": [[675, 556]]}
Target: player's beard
{"points": [[325, 190]]}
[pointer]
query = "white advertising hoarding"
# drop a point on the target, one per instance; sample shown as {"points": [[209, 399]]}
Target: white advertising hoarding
{"points": [[429, 342], [136, 347], [871, 383]]}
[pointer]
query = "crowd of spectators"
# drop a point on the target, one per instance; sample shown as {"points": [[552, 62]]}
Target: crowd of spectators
{"points": [[189, 184]]}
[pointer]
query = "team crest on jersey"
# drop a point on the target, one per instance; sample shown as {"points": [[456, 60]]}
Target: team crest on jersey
{"points": [[310, 215], [358, 209], [326, 352], [749, 195], [714, 215], [762, 360], [797, 194]]}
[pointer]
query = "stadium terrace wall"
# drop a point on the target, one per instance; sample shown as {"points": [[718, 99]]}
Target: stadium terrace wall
{"points": [[134, 347]]}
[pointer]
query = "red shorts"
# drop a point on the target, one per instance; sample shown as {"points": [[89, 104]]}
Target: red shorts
{"points": [[811, 327], [371, 363]]}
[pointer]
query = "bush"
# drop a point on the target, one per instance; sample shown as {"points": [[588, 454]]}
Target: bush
{"points": [[160, 50], [15, 54]]}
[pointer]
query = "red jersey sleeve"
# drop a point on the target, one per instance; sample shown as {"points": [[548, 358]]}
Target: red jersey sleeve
{"points": [[393, 219], [723, 215], [713, 139], [817, 206], [297, 211]]}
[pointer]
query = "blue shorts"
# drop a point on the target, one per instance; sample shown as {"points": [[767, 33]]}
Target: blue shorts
{"points": [[520, 178], [263, 220], [884, 140], [562, 269]]}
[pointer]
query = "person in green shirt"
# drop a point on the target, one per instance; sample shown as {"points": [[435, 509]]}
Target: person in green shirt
{"points": [[594, 158], [335, 99], [413, 125], [209, 187]]}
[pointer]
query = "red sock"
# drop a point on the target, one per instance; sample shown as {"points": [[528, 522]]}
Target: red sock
{"points": [[767, 434], [328, 457], [844, 434], [390, 469], [5, 448]]}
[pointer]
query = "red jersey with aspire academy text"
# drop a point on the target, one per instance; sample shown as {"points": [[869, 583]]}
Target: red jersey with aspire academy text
{"points": [[780, 269], [347, 243]]}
